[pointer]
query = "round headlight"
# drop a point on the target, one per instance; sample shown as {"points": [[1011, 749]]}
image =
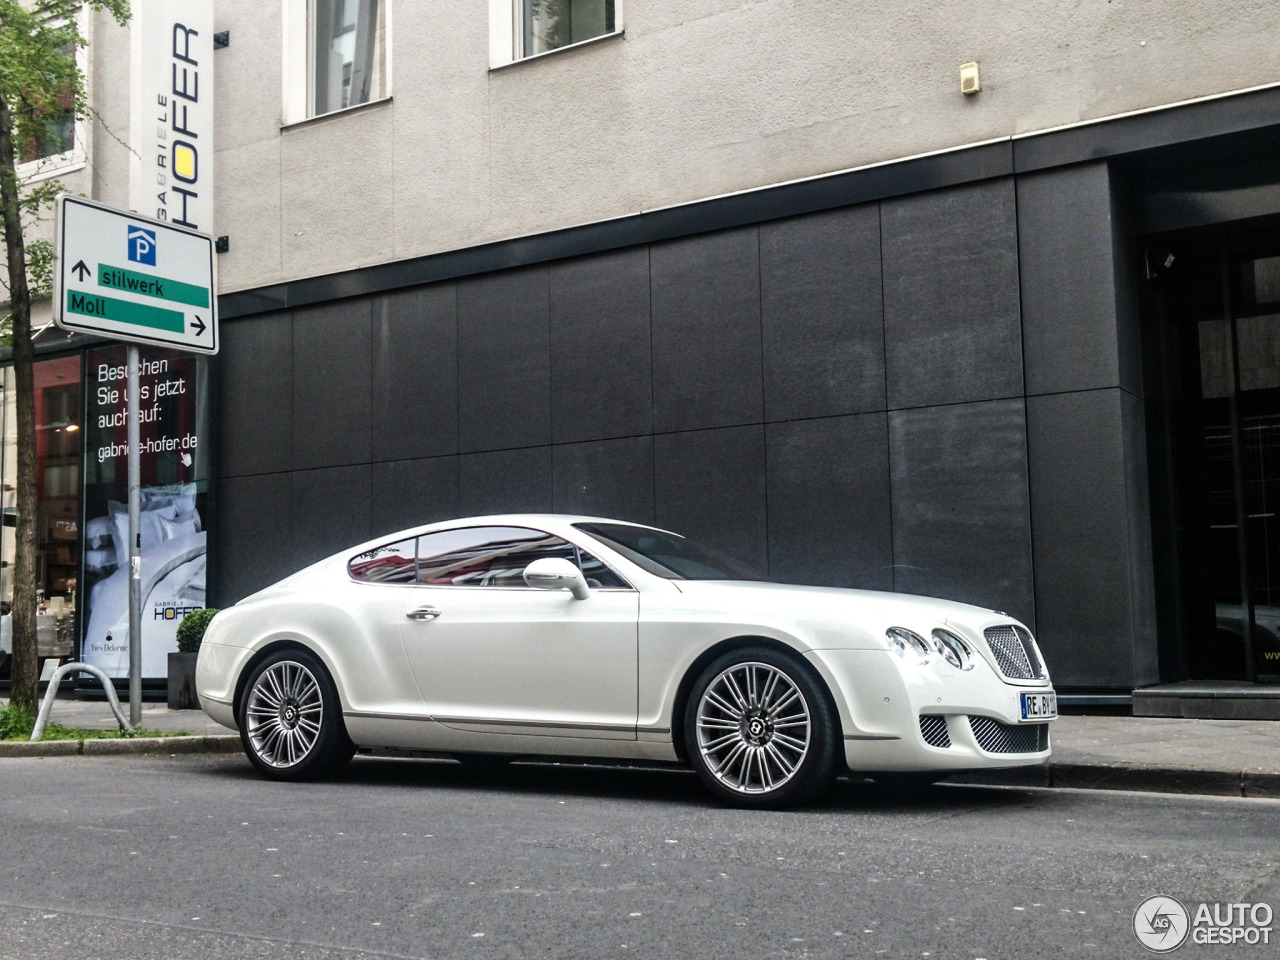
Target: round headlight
{"points": [[953, 649], [905, 641]]}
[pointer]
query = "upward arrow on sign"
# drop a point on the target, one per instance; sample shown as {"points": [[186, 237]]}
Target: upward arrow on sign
{"points": [[81, 270]]}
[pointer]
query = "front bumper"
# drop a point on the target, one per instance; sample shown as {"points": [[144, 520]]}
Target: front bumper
{"points": [[885, 697]]}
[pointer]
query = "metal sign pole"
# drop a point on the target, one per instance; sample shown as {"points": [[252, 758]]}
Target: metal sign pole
{"points": [[135, 546]]}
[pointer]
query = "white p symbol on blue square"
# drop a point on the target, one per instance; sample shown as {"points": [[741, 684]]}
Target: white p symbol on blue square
{"points": [[142, 245]]}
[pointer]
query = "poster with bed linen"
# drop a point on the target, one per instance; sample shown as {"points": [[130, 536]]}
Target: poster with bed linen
{"points": [[174, 414]]}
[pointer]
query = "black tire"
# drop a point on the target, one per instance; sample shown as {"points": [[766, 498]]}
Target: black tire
{"points": [[288, 694], [752, 759]]}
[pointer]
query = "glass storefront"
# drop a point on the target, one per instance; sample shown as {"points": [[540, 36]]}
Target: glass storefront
{"points": [[82, 489], [1217, 435]]}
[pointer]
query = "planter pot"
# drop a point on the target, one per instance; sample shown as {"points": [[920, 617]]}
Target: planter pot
{"points": [[182, 682]]}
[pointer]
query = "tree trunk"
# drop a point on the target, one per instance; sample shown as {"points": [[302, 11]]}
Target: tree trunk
{"points": [[25, 670]]}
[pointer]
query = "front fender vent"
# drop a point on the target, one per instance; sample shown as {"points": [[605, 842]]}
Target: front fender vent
{"points": [[996, 737], [934, 730]]}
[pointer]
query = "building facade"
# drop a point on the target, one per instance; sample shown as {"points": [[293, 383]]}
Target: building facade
{"points": [[762, 273]]}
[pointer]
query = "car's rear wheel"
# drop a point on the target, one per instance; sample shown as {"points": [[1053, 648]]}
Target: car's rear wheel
{"points": [[290, 718], [760, 730]]}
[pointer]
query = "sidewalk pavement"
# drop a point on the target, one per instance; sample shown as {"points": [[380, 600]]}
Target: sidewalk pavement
{"points": [[1222, 757]]}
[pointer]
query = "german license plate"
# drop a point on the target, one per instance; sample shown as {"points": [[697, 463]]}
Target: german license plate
{"points": [[1039, 706]]}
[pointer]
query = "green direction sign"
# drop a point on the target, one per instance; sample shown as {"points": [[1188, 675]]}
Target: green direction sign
{"points": [[118, 278], [130, 278]]}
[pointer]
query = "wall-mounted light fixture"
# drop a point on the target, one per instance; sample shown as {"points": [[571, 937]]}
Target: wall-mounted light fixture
{"points": [[970, 82]]}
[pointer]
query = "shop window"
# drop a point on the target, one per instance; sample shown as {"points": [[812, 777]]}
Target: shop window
{"points": [[335, 55], [58, 440]]}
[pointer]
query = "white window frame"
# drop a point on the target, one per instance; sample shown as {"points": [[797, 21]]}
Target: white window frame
{"points": [[77, 158], [506, 33], [296, 60]]}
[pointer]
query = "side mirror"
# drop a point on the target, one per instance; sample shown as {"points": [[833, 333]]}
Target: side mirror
{"points": [[556, 573]]}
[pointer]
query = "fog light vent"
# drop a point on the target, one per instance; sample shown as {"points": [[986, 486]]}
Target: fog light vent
{"points": [[934, 730], [996, 737]]}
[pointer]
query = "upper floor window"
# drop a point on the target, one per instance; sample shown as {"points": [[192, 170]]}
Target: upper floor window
{"points": [[335, 55], [347, 61], [54, 141], [519, 29], [551, 24]]}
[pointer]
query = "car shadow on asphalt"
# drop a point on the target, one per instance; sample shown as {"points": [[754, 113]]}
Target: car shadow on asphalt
{"points": [[649, 784]]}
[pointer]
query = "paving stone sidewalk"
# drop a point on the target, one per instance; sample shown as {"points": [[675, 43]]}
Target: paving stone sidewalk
{"points": [[1225, 757]]}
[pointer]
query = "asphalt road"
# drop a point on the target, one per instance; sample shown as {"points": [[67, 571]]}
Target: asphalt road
{"points": [[195, 857]]}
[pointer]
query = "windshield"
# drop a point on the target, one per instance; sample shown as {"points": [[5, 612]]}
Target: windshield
{"points": [[667, 554]]}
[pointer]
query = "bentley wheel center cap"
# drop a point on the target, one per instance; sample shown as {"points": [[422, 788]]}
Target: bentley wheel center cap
{"points": [[289, 714], [757, 729]]}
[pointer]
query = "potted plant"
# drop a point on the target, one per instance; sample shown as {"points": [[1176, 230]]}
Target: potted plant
{"points": [[182, 665]]}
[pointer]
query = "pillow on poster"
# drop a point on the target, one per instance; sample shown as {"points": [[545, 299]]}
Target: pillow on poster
{"points": [[179, 526]]}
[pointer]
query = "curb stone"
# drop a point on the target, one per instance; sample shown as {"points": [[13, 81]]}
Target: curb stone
{"points": [[122, 747], [1137, 777]]}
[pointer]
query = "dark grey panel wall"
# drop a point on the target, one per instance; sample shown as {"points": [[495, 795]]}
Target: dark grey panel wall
{"points": [[735, 387], [505, 481], [961, 519], [1078, 506], [255, 396], [606, 478], [405, 493], [710, 485], [331, 405], [504, 362], [414, 373], [601, 377], [330, 511], [254, 534], [829, 502], [706, 331], [952, 332], [1068, 280], [1146, 654], [822, 317]]}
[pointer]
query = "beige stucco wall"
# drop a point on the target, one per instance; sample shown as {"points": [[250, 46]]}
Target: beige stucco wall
{"points": [[698, 98]]}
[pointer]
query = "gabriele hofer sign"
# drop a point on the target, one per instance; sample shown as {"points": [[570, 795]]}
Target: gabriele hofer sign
{"points": [[174, 477], [172, 111]]}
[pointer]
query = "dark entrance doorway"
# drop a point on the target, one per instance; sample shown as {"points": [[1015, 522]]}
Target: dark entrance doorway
{"points": [[1213, 374]]}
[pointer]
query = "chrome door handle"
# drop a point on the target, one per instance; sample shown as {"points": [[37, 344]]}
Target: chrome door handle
{"points": [[423, 613]]}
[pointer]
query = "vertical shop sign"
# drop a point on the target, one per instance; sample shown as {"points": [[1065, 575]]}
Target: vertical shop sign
{"points": [[174, 424], [172, 111]]}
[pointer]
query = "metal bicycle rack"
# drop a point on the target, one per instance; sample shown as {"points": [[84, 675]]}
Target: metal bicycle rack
{"points": [[51, 694]]}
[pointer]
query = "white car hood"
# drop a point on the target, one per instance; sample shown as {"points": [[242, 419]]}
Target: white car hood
{"points": [[837, 602]]}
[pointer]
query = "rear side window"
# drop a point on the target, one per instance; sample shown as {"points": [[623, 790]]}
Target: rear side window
{"points": [[475, 557], [393, 563]]}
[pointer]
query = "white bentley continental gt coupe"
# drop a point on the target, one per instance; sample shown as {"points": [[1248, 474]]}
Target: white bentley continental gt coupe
{"points": [[535, 635]]}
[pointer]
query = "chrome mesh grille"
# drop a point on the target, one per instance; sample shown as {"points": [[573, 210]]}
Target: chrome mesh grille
{"points": [[934, 730], [1015, 652], [996, 737]]}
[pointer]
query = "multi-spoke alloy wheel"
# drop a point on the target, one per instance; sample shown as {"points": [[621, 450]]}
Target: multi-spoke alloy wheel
{"points": [[290, 719], [284, 712], [759, 729], [753, 728]]}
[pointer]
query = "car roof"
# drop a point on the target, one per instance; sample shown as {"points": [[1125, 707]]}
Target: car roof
{"points": [[558, 523]]}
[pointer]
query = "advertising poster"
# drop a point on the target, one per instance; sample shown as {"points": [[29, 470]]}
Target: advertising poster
{"points": [[174, 415]]}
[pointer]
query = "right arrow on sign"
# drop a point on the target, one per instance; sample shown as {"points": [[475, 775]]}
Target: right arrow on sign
{"points": [[198, 324]]}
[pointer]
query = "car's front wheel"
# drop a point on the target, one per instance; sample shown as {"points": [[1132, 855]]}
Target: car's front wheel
{"points": [[290, 718], [760, 730]]}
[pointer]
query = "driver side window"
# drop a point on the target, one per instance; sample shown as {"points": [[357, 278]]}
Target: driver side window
{"points": [[497, 557]]}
